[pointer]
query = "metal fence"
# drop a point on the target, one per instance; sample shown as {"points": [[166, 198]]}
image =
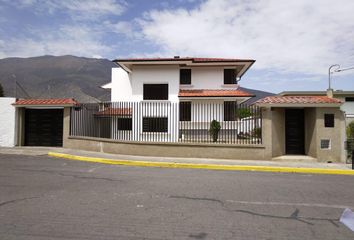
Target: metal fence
{"points": [[152, 121]]}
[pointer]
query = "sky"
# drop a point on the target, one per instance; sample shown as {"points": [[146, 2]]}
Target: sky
{"points": [[293, 42]]}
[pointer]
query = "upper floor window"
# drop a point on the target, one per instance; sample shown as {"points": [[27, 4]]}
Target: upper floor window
{"points": [[230, 76], [185, 76], [349, 99], [329, 120], [155, 92]]}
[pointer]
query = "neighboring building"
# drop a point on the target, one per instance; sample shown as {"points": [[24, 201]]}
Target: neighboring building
{"points": [[306, 125], [7, 122], [347, 97], [40, 122]]}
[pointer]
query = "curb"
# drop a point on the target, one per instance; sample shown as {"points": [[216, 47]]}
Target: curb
{"points": [[203, 166]]}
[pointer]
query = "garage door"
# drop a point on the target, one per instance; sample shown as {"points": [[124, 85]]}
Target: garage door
{"points": [[44, 127]]}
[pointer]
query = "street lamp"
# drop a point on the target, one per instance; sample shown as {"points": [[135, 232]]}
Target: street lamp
{"points": [[336, 69]]}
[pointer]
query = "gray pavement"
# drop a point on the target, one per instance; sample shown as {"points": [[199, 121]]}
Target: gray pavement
{"points": [[292, 161], [51, 198]]}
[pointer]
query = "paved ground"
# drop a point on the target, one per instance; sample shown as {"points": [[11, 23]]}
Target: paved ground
{"points": [[48, 198]]}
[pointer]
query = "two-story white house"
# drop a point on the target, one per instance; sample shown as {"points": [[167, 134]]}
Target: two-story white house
{"points": [[192, 83]]}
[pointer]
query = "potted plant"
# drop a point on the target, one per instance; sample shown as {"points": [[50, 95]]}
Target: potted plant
{"points": [[214, 130]]}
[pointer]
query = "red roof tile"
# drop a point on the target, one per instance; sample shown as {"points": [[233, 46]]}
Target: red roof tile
{"points": [[193, 59], [298, 100], [213, 93], [115, 112], [46, 102]]}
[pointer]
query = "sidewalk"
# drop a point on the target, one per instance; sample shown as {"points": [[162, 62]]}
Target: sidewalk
{"points": [[244, 165]]}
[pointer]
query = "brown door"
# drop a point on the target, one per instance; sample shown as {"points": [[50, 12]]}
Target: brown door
{"points": [[294, 131]]}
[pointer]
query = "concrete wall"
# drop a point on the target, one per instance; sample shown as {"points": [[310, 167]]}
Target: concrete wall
{"points": [[7, 122], [310, 132], [336, 135], [251, 152], [278, 131]]}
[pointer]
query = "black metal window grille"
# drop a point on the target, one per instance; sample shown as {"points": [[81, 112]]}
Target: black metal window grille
{"points": [[230, 76], [329, 120], [230, 109], [124, 124], [185, 111], [152, 124], [185, 76], [155, 91]]}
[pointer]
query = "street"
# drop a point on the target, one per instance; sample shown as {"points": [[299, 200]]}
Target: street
{"points": [[50, 198]]}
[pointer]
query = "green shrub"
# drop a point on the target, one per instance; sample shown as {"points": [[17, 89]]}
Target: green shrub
{"points": [[243, 113], [350, 130], [214, 130]]}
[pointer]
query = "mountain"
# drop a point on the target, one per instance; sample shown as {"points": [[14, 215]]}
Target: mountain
{"points": [[56, 77], [64, 77], [258, 94]]}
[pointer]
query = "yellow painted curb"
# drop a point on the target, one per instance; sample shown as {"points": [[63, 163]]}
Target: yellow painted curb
{"points": [[203, 166]]}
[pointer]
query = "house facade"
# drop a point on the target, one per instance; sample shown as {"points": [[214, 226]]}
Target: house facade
{"points": [[178, 96]]}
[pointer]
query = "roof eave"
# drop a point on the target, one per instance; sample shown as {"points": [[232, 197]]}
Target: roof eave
{"points": [[304, 105]]}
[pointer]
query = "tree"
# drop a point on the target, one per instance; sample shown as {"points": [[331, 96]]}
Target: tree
{"points": [[1, 91]]}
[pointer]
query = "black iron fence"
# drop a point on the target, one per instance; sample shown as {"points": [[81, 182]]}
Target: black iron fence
{"points": [[161, 121]]}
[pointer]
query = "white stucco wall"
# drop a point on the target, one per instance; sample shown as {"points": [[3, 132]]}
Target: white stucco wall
{"points": [[129, 87], [155, 75], [7, 122], [121, 86], [208, 78]]}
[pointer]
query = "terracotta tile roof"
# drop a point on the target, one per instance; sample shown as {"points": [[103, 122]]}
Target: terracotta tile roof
{"points": [[46, 102], [298, 100], [213, 93], [193, 59], [115, 112]]}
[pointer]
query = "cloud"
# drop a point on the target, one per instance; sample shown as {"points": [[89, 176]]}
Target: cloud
{"points": [[288, 36], [73, 40], [77, 9]]}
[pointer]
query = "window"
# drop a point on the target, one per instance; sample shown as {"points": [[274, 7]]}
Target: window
{"points": [[230, 76], [155, 91], [185, 76], [325, 144], [329, 120], [230, 111], [185, 111], [151, 124], [349, 99], [124, 124]]}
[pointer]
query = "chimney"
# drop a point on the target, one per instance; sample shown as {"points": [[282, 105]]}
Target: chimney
{"points": [[330, 92]]}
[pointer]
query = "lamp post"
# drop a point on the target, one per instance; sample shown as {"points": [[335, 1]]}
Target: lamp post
{"points": [[337, 68]]}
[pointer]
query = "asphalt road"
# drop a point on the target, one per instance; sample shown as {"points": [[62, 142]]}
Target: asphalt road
{"points": [[47, 198]]}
